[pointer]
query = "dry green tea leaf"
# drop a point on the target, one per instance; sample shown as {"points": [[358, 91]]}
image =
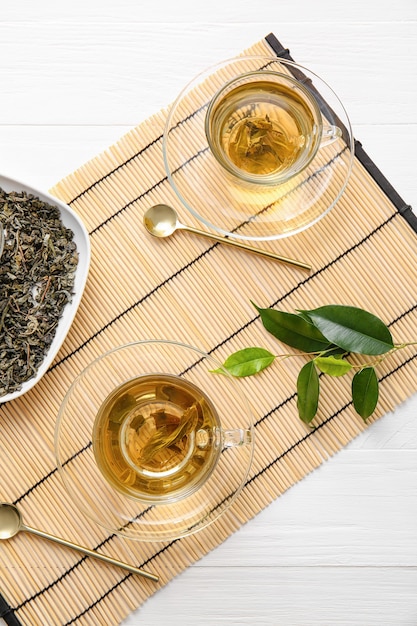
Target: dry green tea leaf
{"points": [[37, 273]]}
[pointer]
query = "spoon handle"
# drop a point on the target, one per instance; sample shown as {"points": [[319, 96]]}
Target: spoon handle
{"points": [[93, 553], [244, 246]]}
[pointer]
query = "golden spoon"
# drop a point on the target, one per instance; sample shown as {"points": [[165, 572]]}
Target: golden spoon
{"points": [[162, 221], [11, 523]]}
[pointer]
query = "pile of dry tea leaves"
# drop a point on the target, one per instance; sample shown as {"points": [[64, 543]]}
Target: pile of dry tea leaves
{"points": [[37, 271]]}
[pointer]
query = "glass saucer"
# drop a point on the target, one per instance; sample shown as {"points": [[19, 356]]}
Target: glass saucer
{"points": [[117, 510], [243, 210]]}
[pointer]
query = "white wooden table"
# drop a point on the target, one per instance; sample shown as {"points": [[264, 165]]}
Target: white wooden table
{"points": [[340, 547]]}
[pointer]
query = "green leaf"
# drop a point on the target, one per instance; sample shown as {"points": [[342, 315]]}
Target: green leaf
{"points": [[332, 365], [365, 391], [308, 389], [247, 362], [304, 316], [352, 329], [293, 330]]}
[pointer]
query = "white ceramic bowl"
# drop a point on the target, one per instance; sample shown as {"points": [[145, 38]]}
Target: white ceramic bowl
{"points": [[81, 239]]}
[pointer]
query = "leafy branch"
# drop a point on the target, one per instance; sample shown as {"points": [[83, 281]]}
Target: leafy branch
{"points": [[327, 336]]}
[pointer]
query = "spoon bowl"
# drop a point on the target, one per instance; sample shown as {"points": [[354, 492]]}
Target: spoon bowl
{"points": [[161, 220], [10, 521]]}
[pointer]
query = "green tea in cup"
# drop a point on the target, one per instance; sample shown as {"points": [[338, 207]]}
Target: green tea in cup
{"points": [[156, 437], [265, 127]]}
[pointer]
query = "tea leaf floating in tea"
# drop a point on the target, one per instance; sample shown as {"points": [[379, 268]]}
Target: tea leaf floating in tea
{"points": [[163, 439], [37, 272], [260, 148]]}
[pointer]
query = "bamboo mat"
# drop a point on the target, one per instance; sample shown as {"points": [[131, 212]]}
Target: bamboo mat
{"points": [[190, 290]]}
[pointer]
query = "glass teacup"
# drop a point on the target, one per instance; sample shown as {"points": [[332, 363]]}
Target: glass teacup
{"points": [[265, 127], [150, 443], [258, 148], [158, 437]]}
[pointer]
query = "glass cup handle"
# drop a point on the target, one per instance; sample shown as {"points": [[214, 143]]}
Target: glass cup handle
{"points": [[236, 437], [329, 134]]}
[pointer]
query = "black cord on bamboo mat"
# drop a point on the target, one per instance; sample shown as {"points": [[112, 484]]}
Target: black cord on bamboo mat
{"points": [[404, 209], [7, 613]]}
